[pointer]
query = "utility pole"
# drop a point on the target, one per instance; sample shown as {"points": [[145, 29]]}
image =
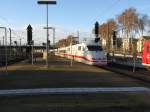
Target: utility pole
{"points": [[108, 41], [71, 53], [3, 41], [20, 42], [6, 58], [124, 47], [78, 35], [20, 45], [10, 42], [32, 52], [47, 46], [54, 37]]}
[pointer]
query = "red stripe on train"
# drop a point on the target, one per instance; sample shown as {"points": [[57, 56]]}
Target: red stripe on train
{"points": [[82, 57]]}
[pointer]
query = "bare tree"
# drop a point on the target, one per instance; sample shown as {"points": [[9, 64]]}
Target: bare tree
{"points": [[105, 31], [129, 21]]}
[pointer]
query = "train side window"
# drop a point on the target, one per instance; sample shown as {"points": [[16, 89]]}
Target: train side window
{"points": [[79, 48], [83, 49]]}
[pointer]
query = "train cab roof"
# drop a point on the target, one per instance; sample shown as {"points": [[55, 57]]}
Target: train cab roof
{"points": [[91, 43]]}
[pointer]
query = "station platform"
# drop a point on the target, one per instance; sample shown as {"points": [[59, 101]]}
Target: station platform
{"points": [[65, 88], [60, 74]]}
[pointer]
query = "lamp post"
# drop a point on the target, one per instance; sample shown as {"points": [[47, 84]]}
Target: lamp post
{"points": [[47, 2], [6, 60], [3, 40]]}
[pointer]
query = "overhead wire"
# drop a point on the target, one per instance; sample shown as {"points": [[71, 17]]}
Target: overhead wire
{"points": [[8, 25], [110, 7]]}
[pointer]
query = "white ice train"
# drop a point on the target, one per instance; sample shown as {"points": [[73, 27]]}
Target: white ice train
{"points": [[89, 52]]}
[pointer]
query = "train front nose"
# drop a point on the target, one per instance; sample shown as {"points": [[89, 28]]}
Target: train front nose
{"points": [[99, 59]]}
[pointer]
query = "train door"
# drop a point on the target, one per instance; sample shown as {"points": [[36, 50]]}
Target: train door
{"points": [[146, 53]]}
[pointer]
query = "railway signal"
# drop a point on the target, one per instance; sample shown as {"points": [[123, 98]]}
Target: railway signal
{"points": [[96, 29], [29, 41], [29, 34], [114, 37]]}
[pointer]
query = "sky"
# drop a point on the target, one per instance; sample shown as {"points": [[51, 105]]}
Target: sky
{"points": [[68, 16]]}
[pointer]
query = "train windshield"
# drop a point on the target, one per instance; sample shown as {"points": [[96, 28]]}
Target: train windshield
{"points": [[94, 48]]}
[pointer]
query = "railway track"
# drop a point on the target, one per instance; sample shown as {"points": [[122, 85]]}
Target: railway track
{"points": [[12, 61], [144, 72], [139, 74]]}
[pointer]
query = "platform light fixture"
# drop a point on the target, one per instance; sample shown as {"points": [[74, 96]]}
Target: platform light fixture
{"points": [[46, 2]]}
